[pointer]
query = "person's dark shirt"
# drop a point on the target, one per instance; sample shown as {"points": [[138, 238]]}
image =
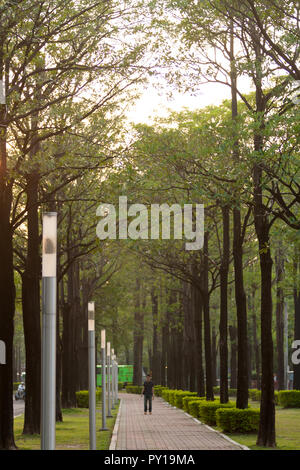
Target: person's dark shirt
{"points": [[148, 386]]}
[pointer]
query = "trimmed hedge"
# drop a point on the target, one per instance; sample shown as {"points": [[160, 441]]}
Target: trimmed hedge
{"points": [[207, 410], [186, 400], [231, 391], [134, 389], [254, 394], [179, 395], [233, 420], [158, 390], [174, 397], [82, 398], [192, 405], [171, 397], [289, 398], [165, 394]]}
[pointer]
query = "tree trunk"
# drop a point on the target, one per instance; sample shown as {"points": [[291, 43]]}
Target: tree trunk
{"points": [[7, 295], [59, 347], [80, 320], [240, 296], [266, 433], [224, 308], [233, 357], [138, 336], [31, 311], [82, 338], [214, 356], [155, 351], [254, 336], [207, 336], [7, 289], [164, 349], [127, 354], [179, 365], [279, 267], [199, 342], [68, 340], [296, 385]]}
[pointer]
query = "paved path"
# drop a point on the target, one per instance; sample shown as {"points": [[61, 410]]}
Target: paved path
{"points": [[19, 406], [167, 428]]}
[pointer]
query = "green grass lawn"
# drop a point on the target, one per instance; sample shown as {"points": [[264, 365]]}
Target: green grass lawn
{"points": [[287, 430], [72, 433]]}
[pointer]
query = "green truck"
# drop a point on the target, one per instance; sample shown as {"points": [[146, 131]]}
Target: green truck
{"points": [[125, 374]]}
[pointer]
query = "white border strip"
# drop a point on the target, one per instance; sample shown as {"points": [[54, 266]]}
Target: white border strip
{"points": [[114, 437]]}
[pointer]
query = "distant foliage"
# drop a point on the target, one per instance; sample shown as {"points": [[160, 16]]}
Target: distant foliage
{"points": [[134, 389], [82, 398]]}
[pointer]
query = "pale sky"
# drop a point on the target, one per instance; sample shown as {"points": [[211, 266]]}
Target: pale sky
{"points": [[153, 103]]}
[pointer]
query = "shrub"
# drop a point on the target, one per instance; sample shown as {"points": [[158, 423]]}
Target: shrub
{"points": [[158, 390], [276, 397], [254, 394], [289, 398], [192, 406], [171, 398], [235, 420], [82, 397], [187, 399], [165, 394], [134, 389], [231, 391], [179, 395], [207, 410]]}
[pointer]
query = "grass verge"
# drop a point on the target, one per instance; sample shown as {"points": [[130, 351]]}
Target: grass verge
{"points": [[72, 433], [287, 430]]}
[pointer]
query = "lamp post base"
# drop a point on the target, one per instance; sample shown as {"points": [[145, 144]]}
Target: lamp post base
{"points": [[103, 429]]}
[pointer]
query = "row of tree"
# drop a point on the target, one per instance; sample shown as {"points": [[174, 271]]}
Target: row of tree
{"points": [[68, 71]]}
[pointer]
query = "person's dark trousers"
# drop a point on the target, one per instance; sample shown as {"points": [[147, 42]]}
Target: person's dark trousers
{"points": [[146, 399]]}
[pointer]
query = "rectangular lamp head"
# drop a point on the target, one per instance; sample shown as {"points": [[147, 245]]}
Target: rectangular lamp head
{"points": [[91, 316], [49, 244], [102, 339]]}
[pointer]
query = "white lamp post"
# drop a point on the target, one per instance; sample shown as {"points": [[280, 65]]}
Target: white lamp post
{"points": [[104, 428], [116, 379], [48, 399], [109, 415], [92, 376], [113, 378], [115, 375]]}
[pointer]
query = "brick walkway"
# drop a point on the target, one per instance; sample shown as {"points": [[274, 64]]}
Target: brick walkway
{"points": [[167, 428]]}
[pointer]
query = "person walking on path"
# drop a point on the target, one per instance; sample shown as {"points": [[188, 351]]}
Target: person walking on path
{"points": [[148, 392]]}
